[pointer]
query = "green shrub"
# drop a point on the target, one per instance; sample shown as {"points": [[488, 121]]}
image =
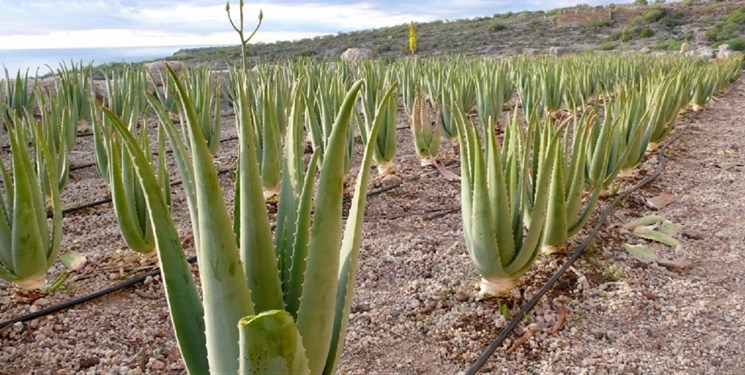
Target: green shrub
{"points": [[607, 46], [497, 26], [670, 45], [737, 17], [640, 2], [672, 20], [652, 15], [626, 37], [646, 32], [736, 44], [601, 24]]}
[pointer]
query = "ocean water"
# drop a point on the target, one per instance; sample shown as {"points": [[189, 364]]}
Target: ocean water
{"points": [[44, 59]]}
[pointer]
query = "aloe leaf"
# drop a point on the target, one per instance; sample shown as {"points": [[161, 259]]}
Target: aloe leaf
{"points": [[28, 260], [350, 248], [122, 196], [644, 221], [187, 313], [316, 314], [649, 233], [254, 234], [271, 344], [226, 294], [301, 239]]}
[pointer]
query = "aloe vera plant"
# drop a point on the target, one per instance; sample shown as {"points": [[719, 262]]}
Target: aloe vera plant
{"points": [[206, 96], [426, 129], [127, 196], [256, 317], [495, 200], [18, 96], [27, 248], [324, 101], [567, 213], [59, 123], [376, 79]]}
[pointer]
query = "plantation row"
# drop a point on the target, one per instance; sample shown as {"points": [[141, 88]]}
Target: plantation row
{"points": [[541, 140]]}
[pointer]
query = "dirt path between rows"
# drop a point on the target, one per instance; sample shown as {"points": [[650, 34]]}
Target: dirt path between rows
{"points": [[414, 310]]}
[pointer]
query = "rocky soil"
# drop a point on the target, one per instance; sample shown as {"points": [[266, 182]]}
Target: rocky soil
{"points": [[414, 310]]}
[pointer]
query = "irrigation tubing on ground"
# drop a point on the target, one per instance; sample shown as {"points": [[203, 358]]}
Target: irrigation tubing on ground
{"points": [[169, 151], [109, 199], [518, 317], [85, 298], [141, 278]]}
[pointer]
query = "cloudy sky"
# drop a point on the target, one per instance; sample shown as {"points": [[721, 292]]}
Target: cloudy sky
{"points": [[34, 24]]}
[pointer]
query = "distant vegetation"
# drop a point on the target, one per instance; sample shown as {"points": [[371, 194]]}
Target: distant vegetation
{"points": [[655, 24]]}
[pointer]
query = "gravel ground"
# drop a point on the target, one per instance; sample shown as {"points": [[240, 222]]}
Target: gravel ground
{"points": [[414, 310]]}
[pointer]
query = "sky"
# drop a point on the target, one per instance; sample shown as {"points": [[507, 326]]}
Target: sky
{"points": [[39, 24]]}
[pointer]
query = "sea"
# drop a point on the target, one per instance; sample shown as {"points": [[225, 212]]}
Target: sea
{"points": [[49, 60]]}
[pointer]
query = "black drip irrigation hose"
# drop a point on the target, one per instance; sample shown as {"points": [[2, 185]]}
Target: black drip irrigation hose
{"points": [[85, 298], [169, 151], [109, 199], [138, 279], [518, 317]]}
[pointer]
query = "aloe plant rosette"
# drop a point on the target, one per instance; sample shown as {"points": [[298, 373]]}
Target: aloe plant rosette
{"points": [[27, 248], [255, 318], [494, 202]]}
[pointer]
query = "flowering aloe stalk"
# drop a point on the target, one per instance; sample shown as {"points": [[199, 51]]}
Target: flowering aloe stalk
{"points": [[412, 38], [494, 202], [255, 314], [27, 248]]}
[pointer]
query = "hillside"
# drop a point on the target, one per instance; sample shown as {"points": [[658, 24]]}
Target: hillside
{"points": [[657, 26]]}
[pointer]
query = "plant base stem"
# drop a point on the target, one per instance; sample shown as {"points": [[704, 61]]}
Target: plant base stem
{"points": [[386, 168], [495, 287]]}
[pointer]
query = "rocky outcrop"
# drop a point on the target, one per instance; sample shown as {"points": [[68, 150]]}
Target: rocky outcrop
{"points": [[356, 55], [559, 51], [724, 51], [158, 74]]}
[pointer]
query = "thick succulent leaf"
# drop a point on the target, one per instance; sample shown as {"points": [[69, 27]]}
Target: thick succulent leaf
{"points": [[226, 294], [187, 313], [350, 247], [316, 313], [271, 344]]}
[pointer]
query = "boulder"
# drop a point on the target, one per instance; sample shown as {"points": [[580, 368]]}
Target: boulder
{"points": [[724, 51], [558, 51], [356, 55], [645, 50], [706, 52], [158, 74]]}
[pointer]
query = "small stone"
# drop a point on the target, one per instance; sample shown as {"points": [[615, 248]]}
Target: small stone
{"points": [[716, 362], [394, 313], [42, 302], [158, 365], [391, 180], [89, 362], [148, 280], [693, 234]]}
